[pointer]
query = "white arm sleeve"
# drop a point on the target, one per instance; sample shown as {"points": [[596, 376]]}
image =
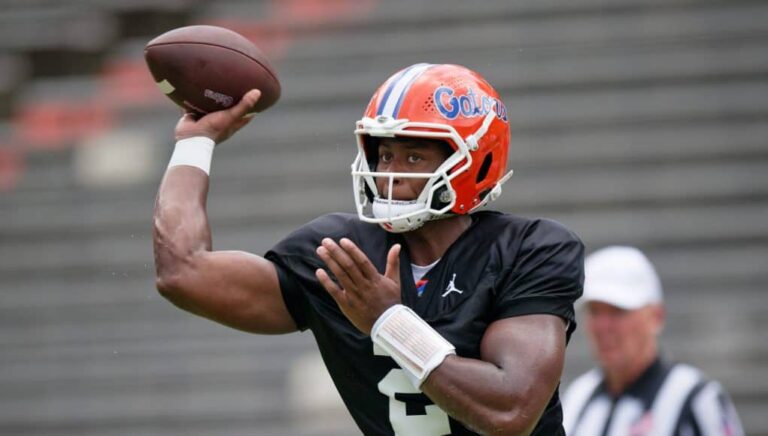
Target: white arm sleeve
{"points": [[195, 152]]}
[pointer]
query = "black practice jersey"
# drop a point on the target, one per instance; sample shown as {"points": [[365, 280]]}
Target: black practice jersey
{"points": [[502, 266]]}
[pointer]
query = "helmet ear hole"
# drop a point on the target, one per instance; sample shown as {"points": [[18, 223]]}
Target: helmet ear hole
{"points": [[438, 201], [483, 172]]}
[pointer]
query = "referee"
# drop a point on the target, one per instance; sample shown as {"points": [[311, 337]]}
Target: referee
{"points": [[636, 391]]}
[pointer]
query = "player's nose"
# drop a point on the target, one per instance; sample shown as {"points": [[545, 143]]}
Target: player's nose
{"points": [[384, 185]]}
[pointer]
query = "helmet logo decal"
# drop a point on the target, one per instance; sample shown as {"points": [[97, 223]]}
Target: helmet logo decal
{"points": [[450, 104]]}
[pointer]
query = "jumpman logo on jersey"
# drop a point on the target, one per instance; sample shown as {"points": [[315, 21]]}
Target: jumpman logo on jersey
{"points": [[451, 287]]}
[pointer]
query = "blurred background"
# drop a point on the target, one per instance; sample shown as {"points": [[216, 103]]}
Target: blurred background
{"points": [[640, 122]]}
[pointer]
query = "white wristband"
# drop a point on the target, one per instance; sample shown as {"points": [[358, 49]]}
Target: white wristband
{"points": [[411, 342], [196, 151]]}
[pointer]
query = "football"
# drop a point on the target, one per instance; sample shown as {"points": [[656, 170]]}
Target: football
{"points": [[208, 68]]}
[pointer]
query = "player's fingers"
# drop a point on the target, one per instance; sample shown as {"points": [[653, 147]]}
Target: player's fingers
{"points": [[245, 104], [360, 259], [393, 263], [336, 292], [345, 262], [336, 269]]}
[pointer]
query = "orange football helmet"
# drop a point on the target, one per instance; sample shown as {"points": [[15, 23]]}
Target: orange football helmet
{"points": [[446, 102]]}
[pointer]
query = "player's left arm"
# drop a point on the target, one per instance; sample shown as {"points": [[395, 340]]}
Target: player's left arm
{"points": [[507, 390]]}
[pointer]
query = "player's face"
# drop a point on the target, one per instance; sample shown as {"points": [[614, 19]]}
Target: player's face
{"points": [[407, 156], [621, 338]]}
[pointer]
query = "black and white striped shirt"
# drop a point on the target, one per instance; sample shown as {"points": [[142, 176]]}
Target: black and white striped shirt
{"points": [[668, 399]]}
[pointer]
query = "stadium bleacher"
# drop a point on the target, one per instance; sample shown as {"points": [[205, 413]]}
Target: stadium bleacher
{"points": [[641, 122]]}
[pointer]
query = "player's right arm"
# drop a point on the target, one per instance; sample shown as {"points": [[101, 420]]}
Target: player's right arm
{"points": [[234, 288]]}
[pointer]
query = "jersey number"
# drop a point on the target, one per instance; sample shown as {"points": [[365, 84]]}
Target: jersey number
{"points": [[410, 411]]}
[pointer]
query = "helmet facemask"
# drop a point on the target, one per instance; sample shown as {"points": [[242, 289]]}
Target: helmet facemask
{"points": [[438, 196]]}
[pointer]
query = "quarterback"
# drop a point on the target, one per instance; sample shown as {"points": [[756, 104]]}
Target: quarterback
{"points": [[433, 317]]}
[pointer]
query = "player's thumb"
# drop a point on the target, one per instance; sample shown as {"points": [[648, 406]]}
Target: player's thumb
{"points": [[393, 263], [246, 103]]}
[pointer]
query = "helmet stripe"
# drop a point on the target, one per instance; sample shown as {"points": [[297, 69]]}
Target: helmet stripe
{"points": [[392, 83], [393, 98]]}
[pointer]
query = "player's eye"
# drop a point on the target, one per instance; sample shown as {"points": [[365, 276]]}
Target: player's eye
{"points": [[385, 157], [414, 158]]}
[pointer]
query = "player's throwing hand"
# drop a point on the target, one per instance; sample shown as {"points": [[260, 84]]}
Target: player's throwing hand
{"points": [[219, 125], [365, 294]]}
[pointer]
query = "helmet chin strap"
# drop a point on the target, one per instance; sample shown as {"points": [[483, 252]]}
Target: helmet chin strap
{"points": [[391, 210], [382, 208], [400, 216]]}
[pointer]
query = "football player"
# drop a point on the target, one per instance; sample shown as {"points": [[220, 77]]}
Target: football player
{"points": [[432, 316]]}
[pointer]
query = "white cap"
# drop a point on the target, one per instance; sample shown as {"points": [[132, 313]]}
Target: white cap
{"points": [[622, 277]]}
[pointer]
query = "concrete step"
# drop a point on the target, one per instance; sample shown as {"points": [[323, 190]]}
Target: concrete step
{"points": [[171, 423], [525, 72], [661, 145], [136, 332], [668, 224], [148, 406], [576, 30], [554, 187], [115, 370], [430, 11], [237, 225], [533, 113]]}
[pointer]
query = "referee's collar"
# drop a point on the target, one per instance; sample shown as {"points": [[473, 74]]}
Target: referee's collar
{"points": [[648, 384]]}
